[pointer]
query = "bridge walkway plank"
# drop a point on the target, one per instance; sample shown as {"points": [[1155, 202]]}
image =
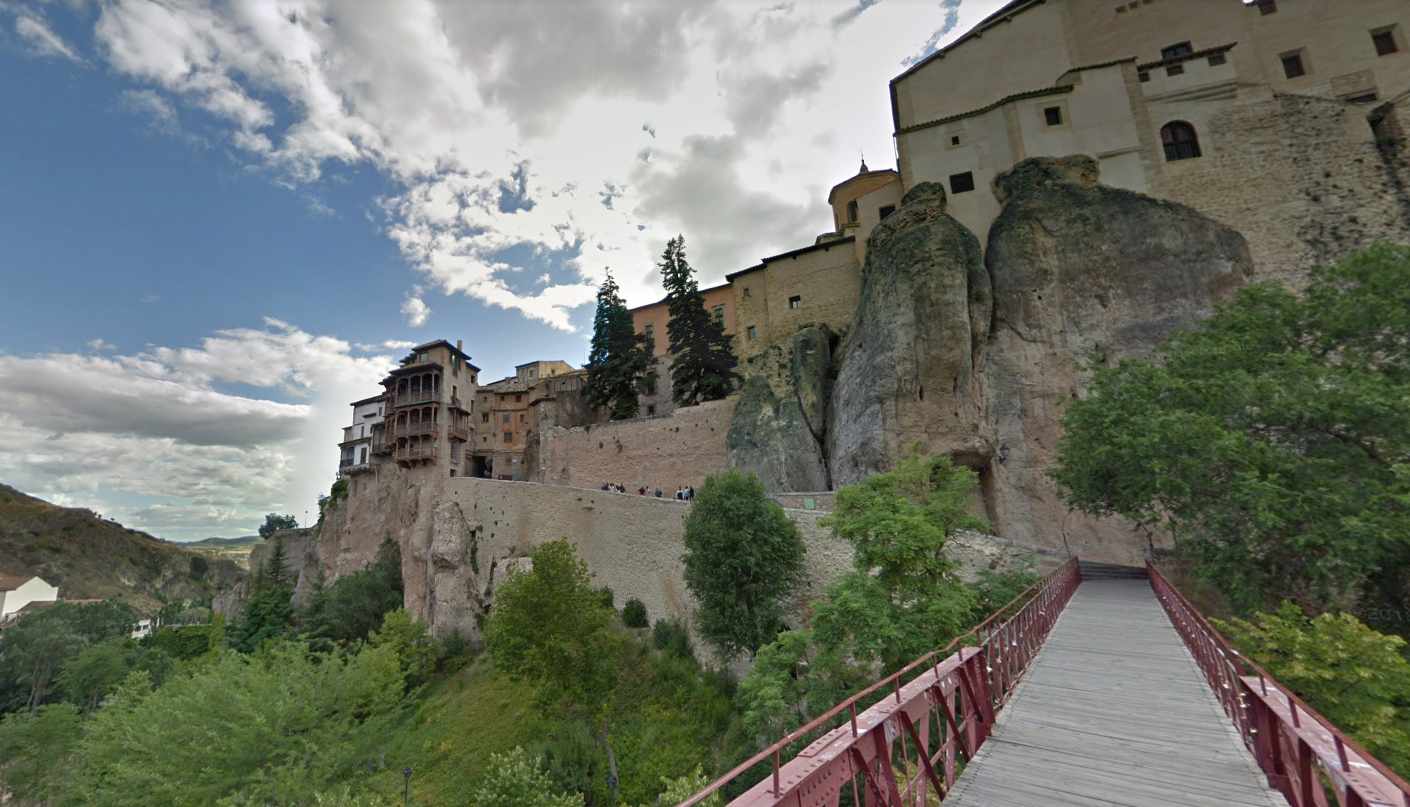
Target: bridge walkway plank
{"points": [[1113, 712]]}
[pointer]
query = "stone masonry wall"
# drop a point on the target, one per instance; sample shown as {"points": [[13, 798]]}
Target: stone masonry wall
{"points": [[679, 449], [1301, 178]]}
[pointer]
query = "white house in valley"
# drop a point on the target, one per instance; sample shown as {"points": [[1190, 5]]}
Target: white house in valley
{"points": [[17, 591]]}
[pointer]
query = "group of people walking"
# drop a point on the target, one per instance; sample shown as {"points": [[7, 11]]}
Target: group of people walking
{"points": [[684, 493]]}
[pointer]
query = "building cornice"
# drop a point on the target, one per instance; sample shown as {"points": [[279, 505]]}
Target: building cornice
{"points": [[1060, 89]]}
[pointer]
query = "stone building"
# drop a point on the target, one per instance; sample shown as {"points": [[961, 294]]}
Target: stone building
{"points": [[356, 449], [507, 416], [1259, 114], [427, 409]]}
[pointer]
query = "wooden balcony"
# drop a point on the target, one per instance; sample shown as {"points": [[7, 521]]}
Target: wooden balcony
{"points": [[414, 397], [407, 452], [461, 433], [417, 429]]}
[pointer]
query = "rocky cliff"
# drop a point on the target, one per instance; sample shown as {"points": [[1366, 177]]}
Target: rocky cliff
{"points": [[976, 358]]}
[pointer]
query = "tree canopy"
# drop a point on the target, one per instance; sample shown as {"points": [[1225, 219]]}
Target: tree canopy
{"points": [[702, 356], [743, 560], [618, 359], [274, 522], [1273, 440]]}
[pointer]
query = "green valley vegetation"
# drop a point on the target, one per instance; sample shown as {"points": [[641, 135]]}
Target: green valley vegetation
{"points": [[1272, 443], [619, 359], [702, 355]]}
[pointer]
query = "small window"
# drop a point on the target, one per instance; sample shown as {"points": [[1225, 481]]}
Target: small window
{"points": [[649, 331], [1292, 64], [650, 410], [484, 417], [886, 210], [1052, 115], [752, 332], [518, 398], [719, 313], [1367, 98], [1176, 51], [1217, 59], [852, 212], [796, 301], [504, 418], [746, 292], [962, 183], [1179, 140], [509, 437], [1144, 76], [1267, 7], [1384, 40], [954, 140], [1175, 70]]}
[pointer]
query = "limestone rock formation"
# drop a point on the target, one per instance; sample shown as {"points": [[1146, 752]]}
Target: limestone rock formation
{"points": [[908, 366], [977, 360], [781, 437]]}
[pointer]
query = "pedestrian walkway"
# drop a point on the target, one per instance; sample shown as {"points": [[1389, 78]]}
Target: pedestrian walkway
{"points": [[1113, 712]]}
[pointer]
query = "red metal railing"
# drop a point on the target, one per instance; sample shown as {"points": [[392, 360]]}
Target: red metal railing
{"points": [[1301, 752], [922, 726]]}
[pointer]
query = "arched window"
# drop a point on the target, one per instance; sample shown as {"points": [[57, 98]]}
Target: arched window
{"points": [[852, 212], [1180, 141]]}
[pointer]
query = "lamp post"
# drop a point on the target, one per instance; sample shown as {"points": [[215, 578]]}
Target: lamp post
{"points": [[406, 788]]}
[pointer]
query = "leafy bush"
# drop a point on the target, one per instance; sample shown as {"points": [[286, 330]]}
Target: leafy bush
{"points": [[743, 560], [516, 780], [273, 728], [606, 597], [34, 749], [274, 522], [634, 614], [416, 651], [670, 636], [1357, 678]]}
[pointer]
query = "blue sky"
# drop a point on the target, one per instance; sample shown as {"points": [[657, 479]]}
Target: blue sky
{"points": [[221, 223]]}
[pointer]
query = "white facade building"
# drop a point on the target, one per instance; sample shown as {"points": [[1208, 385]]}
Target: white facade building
{"points": [[17, 592], [356, 447]]}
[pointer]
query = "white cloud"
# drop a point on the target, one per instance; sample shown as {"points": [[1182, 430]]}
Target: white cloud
{"points": [[398, 344], [101, 345], [725, 120], [415, 310], [42, 39], [155, 440]]}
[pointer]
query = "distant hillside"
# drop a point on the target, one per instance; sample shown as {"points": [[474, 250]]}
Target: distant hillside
{"points": [[223, 543], [89, 557]]}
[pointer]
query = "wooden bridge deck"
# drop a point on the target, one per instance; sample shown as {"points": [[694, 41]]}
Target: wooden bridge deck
{"points": [[1113, 712]]}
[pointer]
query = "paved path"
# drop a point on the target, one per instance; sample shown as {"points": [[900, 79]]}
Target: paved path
{"points": [[1113, 712]]}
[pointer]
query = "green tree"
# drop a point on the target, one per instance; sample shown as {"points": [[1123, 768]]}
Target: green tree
{"points": [[34, 649], [702, 356], [95, 671], [1273, 441], [408, 638], [35, 749], [516, 779], [275, 572], [1357, 678], [355, 604], [273, 522], [743, 560], [619, 357], [268, 615], [900, 601], [549, 627], [274, 728], [634, 614]]}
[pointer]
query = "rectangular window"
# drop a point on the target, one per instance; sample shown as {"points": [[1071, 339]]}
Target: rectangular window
{"points": [[1217, 59], [518, 398], [886, 210], [1052, 115], [746, 292], [1384, 40], [504, 418], [509, 437], [796, 301], [1176, 51], [1292, 64], [1144, 76], [650, 410], [719, 313], [954, 140], [962, 183], [751, 332], [649, 331], [1266, 7], [1175, 70]]}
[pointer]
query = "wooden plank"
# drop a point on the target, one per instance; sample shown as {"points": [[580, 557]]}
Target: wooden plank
{"points": [[1113, 712]]}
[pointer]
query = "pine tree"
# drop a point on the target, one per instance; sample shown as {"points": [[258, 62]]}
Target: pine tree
{"points": [[702, 356], [619, 357]]}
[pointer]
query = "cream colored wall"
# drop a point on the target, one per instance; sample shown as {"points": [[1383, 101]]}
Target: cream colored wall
{"points": [[1336, 36], [869, 213], [854, 189], [1102, 34], [32, 590], [1026, 53], [985, 149]]}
